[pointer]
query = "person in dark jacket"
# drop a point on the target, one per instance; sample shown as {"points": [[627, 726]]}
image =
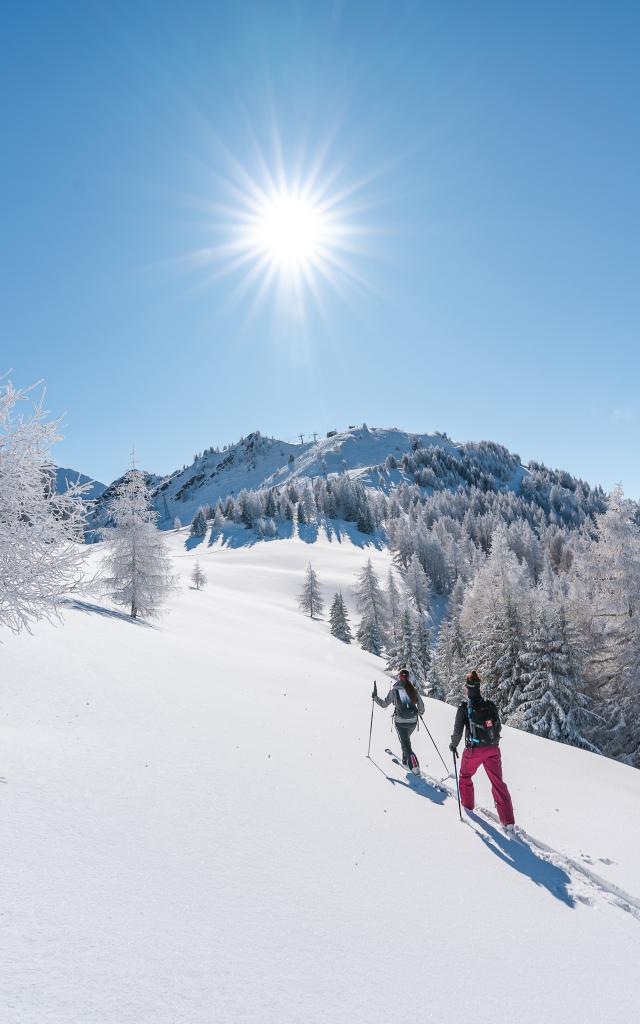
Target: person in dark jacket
{"points": [[480, 721], [407, 705]]}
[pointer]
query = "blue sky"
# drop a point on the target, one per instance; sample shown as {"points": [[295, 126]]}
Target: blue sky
{"points": [[496, 147]]}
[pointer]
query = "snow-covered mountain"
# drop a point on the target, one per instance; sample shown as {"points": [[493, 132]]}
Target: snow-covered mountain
{"points": [[257, 462], [66, 477], [192, 831]]}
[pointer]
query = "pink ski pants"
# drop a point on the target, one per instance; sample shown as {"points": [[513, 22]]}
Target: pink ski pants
{"points": [[492, 761]]}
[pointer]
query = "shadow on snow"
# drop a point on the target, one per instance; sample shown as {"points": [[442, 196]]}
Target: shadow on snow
{"points": [[235, 535], [416, 783], [98, 609], [519, 855]]}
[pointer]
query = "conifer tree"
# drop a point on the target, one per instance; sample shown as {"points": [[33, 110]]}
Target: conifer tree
{"points": [[177, 523], [198, 577], [448, 667], [199, 524], [369, 634], [138, 563], [417, 586], [553, 702], [422, 649], [310, 600], [401, 652], [393, 610], [371, 605], [339, 620]]}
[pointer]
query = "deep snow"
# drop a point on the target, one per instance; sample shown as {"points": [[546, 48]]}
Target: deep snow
{"points": [[192, 832]]}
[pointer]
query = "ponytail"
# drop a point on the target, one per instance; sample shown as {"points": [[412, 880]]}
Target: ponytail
{"points": [[413, 693]]}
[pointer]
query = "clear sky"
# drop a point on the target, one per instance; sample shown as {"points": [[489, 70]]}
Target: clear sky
{"points": [[483, 160]]}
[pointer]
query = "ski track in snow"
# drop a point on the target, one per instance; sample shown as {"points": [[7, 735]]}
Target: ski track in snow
{"points": [[614, 895]]}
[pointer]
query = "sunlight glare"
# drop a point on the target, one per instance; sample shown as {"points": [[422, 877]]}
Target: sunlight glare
{"points": [[290, 231]]}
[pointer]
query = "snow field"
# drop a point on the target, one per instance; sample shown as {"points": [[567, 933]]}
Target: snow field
{"points": [[192, 833]]}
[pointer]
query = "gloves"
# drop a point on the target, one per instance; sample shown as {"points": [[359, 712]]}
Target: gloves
{"points": [[375, 691], [453, 747]]}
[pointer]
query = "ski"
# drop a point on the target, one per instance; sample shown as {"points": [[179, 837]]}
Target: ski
{"points": [[398, 761]]}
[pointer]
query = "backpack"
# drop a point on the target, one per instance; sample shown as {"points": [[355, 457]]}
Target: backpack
{"points": [[484, 724], [405, 710]]}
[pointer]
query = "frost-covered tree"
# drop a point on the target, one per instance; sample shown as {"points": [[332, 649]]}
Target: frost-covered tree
{"points": [[198, 577], [177, 523], [417, 586], [370, 601], [339, 619], [369, 634], [448, 666], [199, 524], [553, 702], [494, 619], [138, 567], [401, 650], [310, 600], [393, 601], [41, 531], [422, 649], [605, 604]]}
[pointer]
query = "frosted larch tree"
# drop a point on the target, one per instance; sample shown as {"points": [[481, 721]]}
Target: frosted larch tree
{"points": [[138, 567], [310, 600], [198, 577]]}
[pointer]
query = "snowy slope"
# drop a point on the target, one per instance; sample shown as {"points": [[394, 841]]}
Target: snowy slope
{"points": [[242, 466], [192, 833], [357, 449], [66, 477], [256, 462]]}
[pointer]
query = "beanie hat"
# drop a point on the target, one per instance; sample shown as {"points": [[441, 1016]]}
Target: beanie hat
{"points": [[473, 680]]}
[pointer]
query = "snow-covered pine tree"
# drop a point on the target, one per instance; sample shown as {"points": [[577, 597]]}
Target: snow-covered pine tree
{"points": [[199, 524], [198, 577], [392, 596], [310, 600], [177, 523], [401, 652], [494, 618], [41, 531], [138, 566], [552, 700], [448, 667], [422, 649], [605, 604], [417, 586], [370, 601], [339, 619]]}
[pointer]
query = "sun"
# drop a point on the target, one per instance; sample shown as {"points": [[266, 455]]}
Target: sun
{"points": [[288, 234], [290, 231]]}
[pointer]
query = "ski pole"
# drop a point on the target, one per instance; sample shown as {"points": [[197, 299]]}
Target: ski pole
{"points": [[375, 690], [455, 768], [434, 743]]}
